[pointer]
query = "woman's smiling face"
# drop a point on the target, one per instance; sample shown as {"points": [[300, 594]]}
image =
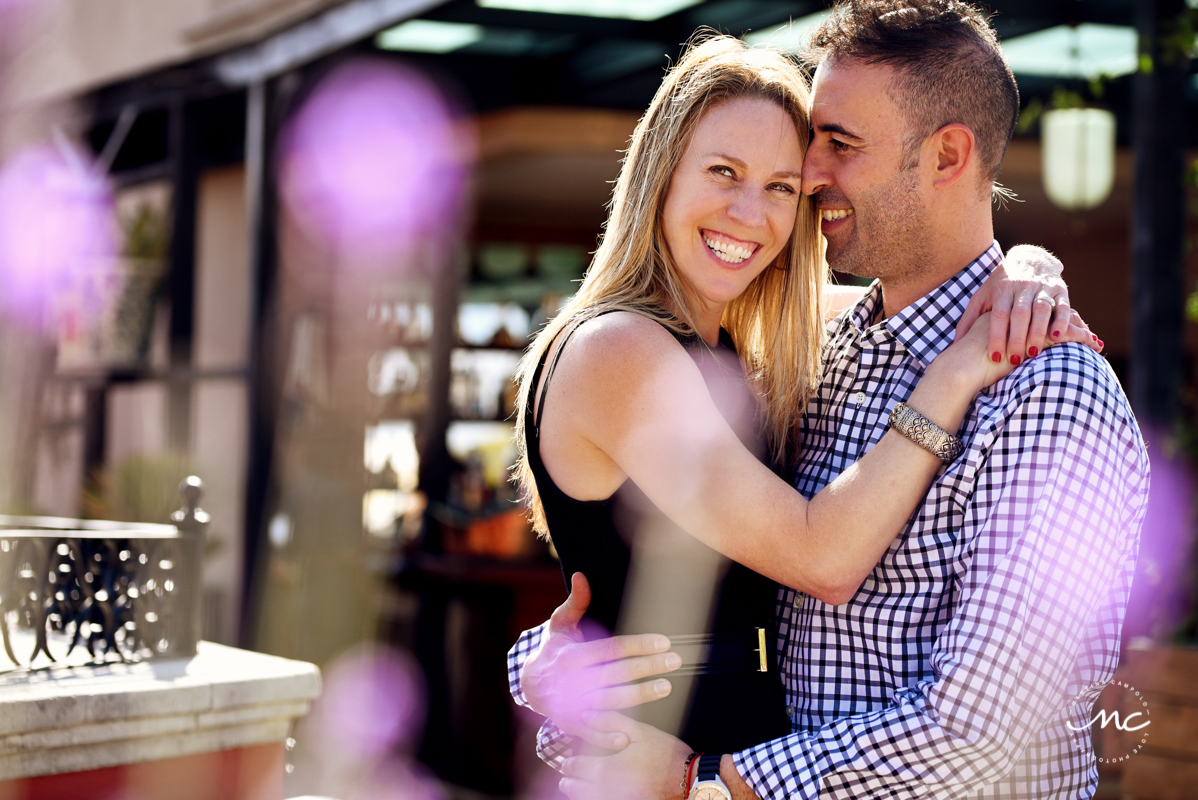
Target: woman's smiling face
{"points": [[731, 205]]}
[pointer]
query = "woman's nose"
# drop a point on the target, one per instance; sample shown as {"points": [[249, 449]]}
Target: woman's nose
{"points": [[748, 208]]}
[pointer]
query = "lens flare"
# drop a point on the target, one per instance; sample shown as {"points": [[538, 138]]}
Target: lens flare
{"points": [[14, 17], [396, 780], [57, 234], [1159, 596], [375, 161], [373, 702]]}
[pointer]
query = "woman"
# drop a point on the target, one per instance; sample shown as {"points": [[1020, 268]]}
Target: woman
{"points": [[631, 430]]}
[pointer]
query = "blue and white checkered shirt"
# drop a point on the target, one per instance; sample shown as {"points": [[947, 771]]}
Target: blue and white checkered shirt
{"points": [[994, 618]]}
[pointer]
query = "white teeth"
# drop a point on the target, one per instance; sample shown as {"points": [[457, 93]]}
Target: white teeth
{"points": [[732, 253], [839, 213]]}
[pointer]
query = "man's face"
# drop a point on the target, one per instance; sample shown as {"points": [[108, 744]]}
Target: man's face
{"points": [[874, 216]]}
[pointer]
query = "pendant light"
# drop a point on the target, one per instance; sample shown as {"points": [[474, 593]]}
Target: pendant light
{"points": [[1078, 151], [1077, 147]]}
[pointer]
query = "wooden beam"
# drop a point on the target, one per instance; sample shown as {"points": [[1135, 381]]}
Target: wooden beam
{"points": [[322, 35], [184, 159], [260, 394], [520, 131], [1158, 234]]}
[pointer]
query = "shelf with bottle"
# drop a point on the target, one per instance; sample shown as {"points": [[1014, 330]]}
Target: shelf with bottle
{"points": [[406, 320], [513, 263], [481, 515], [512, 290], [481, 386]]}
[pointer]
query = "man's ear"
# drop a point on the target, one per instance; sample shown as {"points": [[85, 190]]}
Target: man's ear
{"points": [[952, 152]]}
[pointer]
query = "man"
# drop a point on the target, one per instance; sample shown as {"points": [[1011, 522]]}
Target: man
{"points": [[992, 623]]}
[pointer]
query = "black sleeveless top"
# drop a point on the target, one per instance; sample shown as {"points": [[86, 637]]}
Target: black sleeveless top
{"points": [[649, 576]]}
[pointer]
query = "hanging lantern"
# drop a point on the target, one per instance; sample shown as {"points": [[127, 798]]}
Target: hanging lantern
{"points": [[1078, 149]]}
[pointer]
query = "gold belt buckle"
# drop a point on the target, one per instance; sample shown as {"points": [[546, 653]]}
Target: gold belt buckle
{"points": [[761, 651]]}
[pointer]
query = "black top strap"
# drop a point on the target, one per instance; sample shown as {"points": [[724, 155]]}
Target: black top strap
{"points": [[557, 354]]}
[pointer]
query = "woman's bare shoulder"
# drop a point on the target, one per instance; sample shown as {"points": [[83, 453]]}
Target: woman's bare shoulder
{"points": [[612, 356], [622, 335], [614, 370]]}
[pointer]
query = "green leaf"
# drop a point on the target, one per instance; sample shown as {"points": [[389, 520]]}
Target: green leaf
{"points": [[1192, 307]]}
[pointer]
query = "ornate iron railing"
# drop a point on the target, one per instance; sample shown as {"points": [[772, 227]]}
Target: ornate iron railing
{"points": [[121, 590]]}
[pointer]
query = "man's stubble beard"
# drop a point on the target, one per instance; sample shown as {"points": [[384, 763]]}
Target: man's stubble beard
{"points": [[890, 238]]}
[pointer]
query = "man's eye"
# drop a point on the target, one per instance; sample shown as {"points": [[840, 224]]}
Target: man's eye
{"points": [[838, 145]]}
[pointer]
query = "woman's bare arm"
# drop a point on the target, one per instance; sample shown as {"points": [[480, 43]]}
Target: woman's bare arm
{"points": [[625, 390]]}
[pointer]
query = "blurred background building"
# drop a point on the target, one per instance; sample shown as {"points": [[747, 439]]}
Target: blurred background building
{"points": [[340, 221]]}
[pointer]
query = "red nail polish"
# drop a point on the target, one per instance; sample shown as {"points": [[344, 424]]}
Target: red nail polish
{"points": [[1095, 336], [1015, 361], [997, 357], [1100, 344], [1056, 334], [1033, 351]]}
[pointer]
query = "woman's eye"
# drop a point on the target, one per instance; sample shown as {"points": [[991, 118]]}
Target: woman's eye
{"points": [[783, 187], [722, 170]]}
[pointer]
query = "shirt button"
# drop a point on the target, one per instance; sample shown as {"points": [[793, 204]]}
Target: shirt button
{"points": [[798, 601], [790, 713], [859, 398]]}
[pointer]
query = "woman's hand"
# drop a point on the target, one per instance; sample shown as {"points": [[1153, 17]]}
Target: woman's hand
{"points": [[966, 367], [1029, 305], [971, 356]]}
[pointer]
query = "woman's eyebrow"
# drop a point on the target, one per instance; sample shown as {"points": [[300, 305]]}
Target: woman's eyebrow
{"points": [[739, 164]]}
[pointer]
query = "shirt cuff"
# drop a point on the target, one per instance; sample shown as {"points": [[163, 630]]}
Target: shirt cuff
{"points": [[525, 646], [780, 769], [554, 745]]}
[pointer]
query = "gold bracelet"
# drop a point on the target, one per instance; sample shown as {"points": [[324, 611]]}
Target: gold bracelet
{"points": [[926, 434]]}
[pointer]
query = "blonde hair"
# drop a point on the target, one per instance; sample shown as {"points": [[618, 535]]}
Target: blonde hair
{"points": [[776, 323]]}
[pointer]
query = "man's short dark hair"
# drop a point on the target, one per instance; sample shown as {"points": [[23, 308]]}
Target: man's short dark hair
{"points": [[948, 68]]}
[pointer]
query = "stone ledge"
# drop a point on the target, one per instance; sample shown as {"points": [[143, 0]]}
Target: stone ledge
{"points": [[78, 718]]}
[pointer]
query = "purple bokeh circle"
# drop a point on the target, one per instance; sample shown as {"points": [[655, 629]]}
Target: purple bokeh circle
{"points": [[373, 702], [375, 160], [58, 233]]}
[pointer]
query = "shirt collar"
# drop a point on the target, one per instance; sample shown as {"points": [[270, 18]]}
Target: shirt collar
{"points": [[927, 326]]}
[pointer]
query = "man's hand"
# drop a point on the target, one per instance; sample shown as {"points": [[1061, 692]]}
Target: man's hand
{"points": [[1029, 305], [570, 677], [651, 767]]}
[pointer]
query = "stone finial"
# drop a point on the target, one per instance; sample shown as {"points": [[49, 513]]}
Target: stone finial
{"points": [[191, 489]]}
